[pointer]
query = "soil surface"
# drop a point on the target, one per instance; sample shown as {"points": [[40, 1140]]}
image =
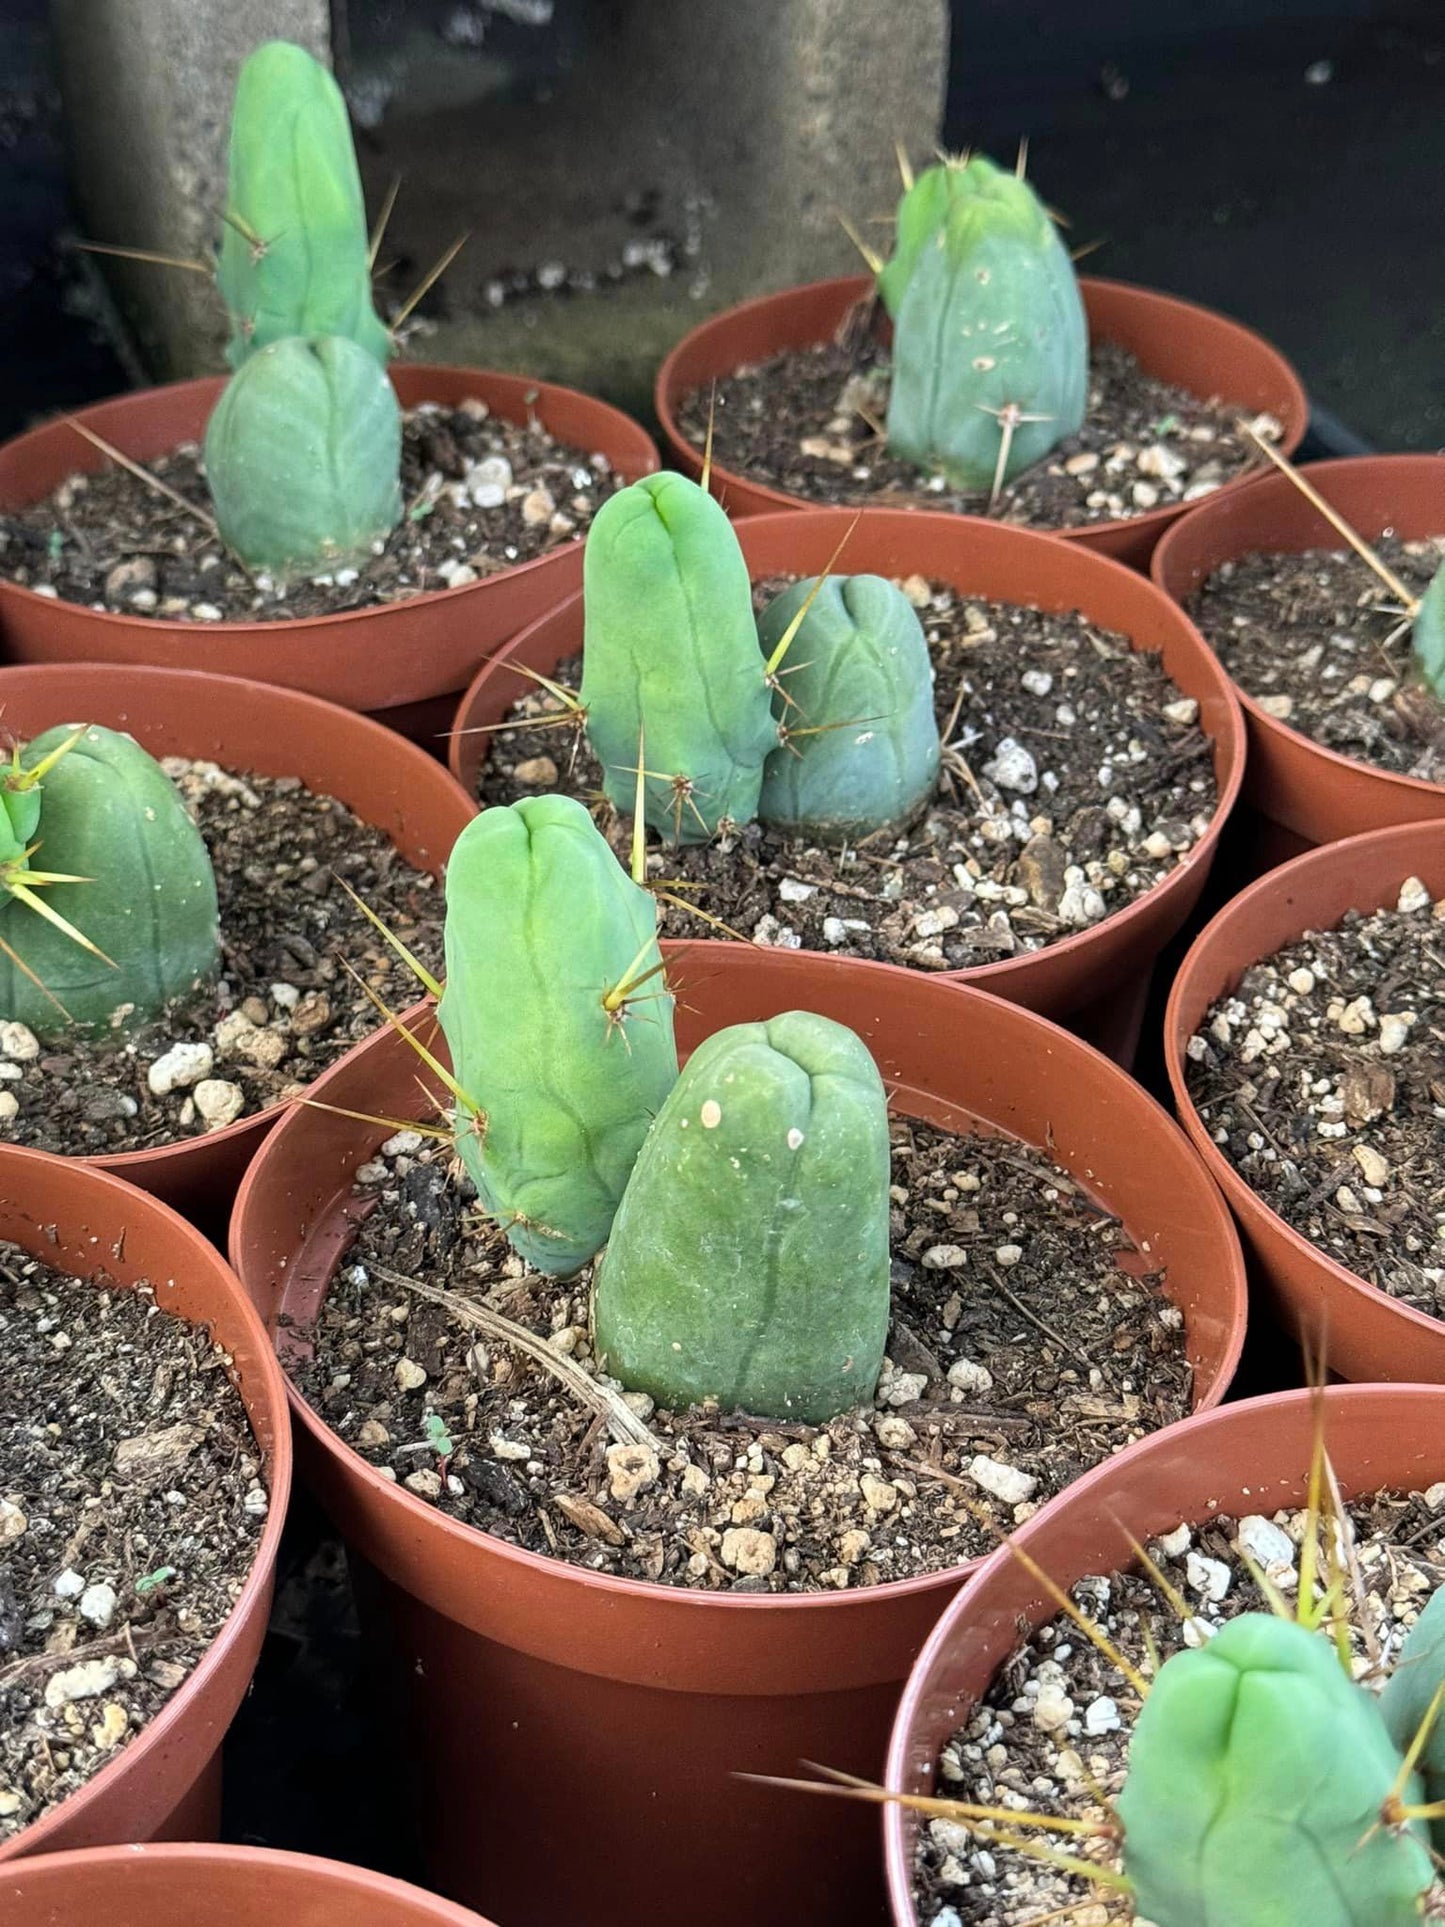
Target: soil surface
{"points": [[1321, 643], [285, 1005], [1075, 778], [1056, 1723], [1322, 1079], [481, 494], [809, 422], [1020, 1354], [131, 1506]]}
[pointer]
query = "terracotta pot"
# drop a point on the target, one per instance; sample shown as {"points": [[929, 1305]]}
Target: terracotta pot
{"points": [[1095, 979], [166, 1782], [1250, 1457], [390, 784], [176, 1886], [528, 1681], [1313, 793], [398, 654], [1364, 1333], [1193, 347]]}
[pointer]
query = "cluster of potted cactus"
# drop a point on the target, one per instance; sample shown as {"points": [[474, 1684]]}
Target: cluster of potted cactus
{"points": [[678, 1156]]}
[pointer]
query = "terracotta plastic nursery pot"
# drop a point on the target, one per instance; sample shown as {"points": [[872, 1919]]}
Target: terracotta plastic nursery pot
{"points": [[166, 1782], [1192, 347], [391, 784], [1095, 980], [396, 655], [1362, 1331], [1313, 793], [178, 1886], [575, 1735], [1251, 1457]]}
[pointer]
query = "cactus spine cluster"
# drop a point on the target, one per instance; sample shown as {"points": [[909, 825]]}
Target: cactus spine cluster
{"points": [[1408, 1703], [990, 341], [1427, 637], [122, 918]]}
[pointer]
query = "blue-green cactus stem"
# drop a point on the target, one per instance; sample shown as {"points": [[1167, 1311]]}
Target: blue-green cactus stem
{"points": [[1408, 1701], [1427, 635]]}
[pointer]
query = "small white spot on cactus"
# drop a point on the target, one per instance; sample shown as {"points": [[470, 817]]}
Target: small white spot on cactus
{"points": [[983, 363], [795, 1139], [710, 1116], [983, 276]]}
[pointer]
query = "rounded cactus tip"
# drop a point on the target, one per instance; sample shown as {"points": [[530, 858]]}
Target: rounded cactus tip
{"points": [[749, 1260]]}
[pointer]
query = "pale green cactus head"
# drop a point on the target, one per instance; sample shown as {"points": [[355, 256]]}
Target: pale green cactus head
{"points": [[749, 1259], [1427, 637], [559, 1022], [671, 666], [860, 750], [1258, 1777], [294, 256], [990, 340], [303, 456], [922, 209], [118, 917], [1409, 1703]]}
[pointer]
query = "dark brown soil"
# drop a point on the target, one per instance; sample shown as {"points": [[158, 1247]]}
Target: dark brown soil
{"points": [[1053, 1730], [804, 423], [285, 1005], [1075, 778], [1020, 1355], [113, 542], [1322, 644], [131, 1505], [1322, 1079]]}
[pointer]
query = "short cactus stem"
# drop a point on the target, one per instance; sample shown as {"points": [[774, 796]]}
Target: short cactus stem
{"points": [[1427, 636]]}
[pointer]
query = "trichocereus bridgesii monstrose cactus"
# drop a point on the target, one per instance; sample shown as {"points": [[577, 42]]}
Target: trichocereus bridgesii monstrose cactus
{"points": [[294, 256], [120, 916], [863, 754], [1260, 1787], [303, 456], [559, 1023], [990, 340], [1427, 636], [749, 1261]]}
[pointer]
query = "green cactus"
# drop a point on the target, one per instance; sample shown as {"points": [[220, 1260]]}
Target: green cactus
{"points": [[749, 1259], [294, 256], [990, 341], [1258, 1775], [1427, 637], [303, 455], [122, 917], [922, 210], [559, 1024], [671, 660], [861, 749], [1408, 1702]]}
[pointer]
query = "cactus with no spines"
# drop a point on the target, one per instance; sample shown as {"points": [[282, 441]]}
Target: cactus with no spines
{"points": [[559, 1022], [120, 917], [303, 456], [990, 340], [294, 256], [1259, 1777], [671, 665], [860, 749], [749, 1258], [1427, 636], [1408, 1702]]}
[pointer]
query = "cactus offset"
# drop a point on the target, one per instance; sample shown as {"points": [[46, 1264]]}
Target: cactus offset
{"points": [[861, 749], [303, 455], [125, 873], [294, 256], [559, 1023], [671, 664], [990, 341], [1258, 1777], [1427, 637], [749, 1259]]}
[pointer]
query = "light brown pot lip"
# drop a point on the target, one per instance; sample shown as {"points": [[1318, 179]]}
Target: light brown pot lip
{"points": [[1203, 1427], [1377, 851], [1231, 742], [1164, 572], [271, 1394], [629, 447], [327, 715], [668, 393], [426, 1520], [192, 1859]]}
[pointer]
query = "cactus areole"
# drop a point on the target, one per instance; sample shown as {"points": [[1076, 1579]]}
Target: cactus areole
{"points": [[749, 1259], [107, 896]]}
